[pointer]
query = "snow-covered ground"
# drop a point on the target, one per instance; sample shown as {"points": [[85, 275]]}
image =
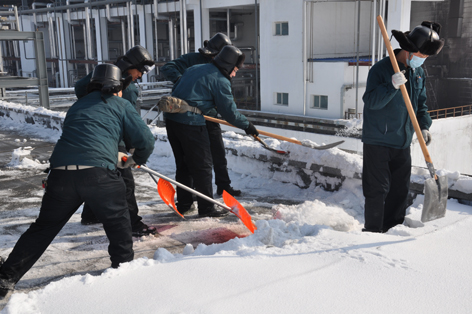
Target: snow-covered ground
{"points": [[312, 259]]}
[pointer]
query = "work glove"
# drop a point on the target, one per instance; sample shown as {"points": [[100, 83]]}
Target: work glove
{"points": [[251, 130], [426, 136], [129, 163], [398, 79]]}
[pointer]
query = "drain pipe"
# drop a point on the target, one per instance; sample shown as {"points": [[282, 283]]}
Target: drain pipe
{"points": [[34, 11], [183, 27], [304, 55], [236, 29], [52, 43], [108, 14], [130, 24], [228, 22], [86, 56], [123, 35], [374, 27], [115, 20], [89, 32], [156, 14], [171, 39]]}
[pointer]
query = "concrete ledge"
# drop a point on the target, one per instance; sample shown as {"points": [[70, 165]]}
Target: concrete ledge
{"points": [[296, 172], [32, 115]]}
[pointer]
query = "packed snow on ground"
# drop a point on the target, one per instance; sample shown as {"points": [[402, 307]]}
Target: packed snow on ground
{"points": [[313, 258]]}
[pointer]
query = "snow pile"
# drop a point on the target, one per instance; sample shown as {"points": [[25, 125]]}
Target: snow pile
{"points": [[313, 258], [20, 160]]}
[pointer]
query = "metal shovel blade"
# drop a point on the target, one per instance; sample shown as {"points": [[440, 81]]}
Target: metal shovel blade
{"points": [[435, 199]]}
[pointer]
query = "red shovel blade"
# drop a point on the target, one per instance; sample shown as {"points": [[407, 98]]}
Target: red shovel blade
{"points": [[239, 210], [167, 192]]}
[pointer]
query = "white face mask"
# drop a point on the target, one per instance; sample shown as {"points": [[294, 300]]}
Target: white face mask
{"points": [[415, 62]]}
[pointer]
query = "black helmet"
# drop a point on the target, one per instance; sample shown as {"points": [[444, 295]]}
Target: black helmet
{"points": [[136, 58], [213, 46], [229, 58], [107, 78], [423, 38]]}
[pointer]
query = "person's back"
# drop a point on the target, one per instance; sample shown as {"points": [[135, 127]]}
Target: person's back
{"points": [[174, 69], [205, 87], [93, 127]]}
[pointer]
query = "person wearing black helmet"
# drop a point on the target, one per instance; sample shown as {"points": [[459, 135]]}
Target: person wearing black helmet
{"points": [[387, 129], [172, 71], [136, 62], [208, 88], [83, 168]]}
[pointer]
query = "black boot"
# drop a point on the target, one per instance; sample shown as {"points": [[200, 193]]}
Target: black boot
{"points": [[141, 229], [185, 209], [213, 212], [228, 189]]}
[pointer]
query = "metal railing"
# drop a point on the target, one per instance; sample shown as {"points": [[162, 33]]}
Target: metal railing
{"points": [[450, 112]]}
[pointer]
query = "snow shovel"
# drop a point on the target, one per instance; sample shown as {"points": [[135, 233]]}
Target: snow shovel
{"points": [[279, 137], [167, 194], [435, 195], [264, 145]]}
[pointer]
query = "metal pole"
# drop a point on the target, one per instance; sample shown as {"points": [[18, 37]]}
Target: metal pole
{"points": [[358, 44], [256, 29]]}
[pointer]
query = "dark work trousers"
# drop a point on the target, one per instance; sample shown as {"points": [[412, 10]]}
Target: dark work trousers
{"points": [[66, 190], [218, 154], [127, 175], [191, 147], [385, 183]]}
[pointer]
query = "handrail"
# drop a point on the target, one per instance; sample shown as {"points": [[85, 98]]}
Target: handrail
{"points": [[450, 112]]}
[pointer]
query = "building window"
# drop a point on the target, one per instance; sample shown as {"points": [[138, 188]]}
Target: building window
{"points": [[282, 99], [281, 28], [320, 102]]}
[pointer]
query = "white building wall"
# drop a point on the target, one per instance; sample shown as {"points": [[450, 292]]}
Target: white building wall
{"points": [[281, 63], [333, 29]]}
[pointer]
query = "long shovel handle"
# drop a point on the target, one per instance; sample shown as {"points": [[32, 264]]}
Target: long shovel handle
{"points": [[279, 137], [146, 169], [406, 98]]}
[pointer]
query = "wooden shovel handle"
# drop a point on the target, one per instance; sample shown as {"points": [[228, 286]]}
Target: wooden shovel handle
{"points": [[279, 137], [406, 98]]}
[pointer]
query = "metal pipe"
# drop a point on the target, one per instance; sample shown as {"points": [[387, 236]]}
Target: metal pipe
{"points": [[156, 39], [35, 10], [123, 35], [256, 29], [236, 28], [85, 48], [184, 14], [358, 47], [128, 9], [228, 22], [374, 24], [16, 18], [108, 14], [304, 56], [131, 26], [171, 39], [89, 32], [73, 6]]}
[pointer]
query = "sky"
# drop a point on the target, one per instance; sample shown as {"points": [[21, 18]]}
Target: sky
{"points": [[308, 254]]}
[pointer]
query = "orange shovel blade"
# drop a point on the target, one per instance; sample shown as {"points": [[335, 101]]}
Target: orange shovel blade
{"points": [[239, 211], [167, 192]]}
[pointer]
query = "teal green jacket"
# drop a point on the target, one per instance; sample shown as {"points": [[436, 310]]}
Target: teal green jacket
{"points": [[130, 93], [205, 87], [174, 69], [92, 129], [386, 119]]}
